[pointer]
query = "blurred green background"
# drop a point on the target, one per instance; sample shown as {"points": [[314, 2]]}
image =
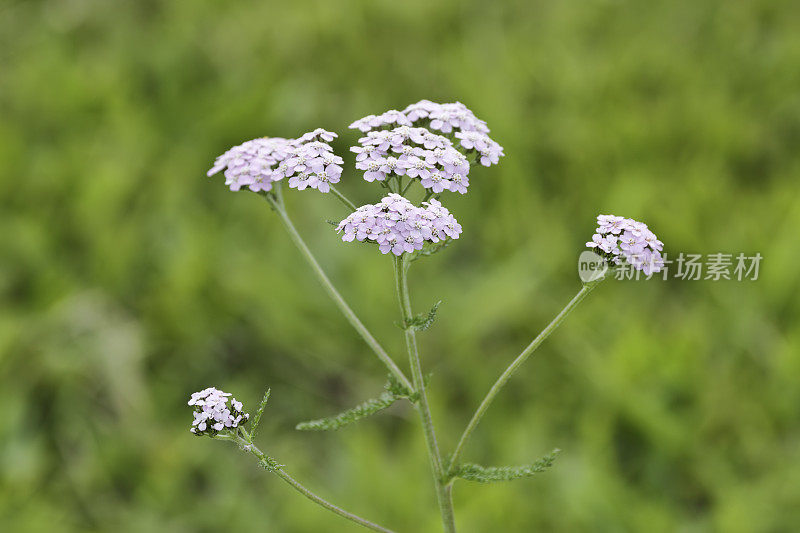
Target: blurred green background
{"points": [[129, 280]]}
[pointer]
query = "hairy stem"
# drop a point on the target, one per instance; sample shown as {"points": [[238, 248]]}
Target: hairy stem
{"points": [[246, 443], [346, 201], [276, 202], [442, 493], [506, 375]]}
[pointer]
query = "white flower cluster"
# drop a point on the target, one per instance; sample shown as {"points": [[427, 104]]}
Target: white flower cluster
{"points": [[399, 226], [312, 162], [212, 413], [621, 239], [250, 164], [455, 118], [446, 117], [308, 162], [389, 118], [416, 153]]}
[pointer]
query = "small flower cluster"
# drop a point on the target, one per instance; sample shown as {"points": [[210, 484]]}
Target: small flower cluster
{"points": [[398, 226], [251, 163], [621, 239], [489, 152], [212, 413], [471, 131], [446, 117], [312, 163], [308, 162], [389, 118], [416, 153]]}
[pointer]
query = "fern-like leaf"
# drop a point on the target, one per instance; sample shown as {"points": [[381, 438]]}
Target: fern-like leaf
{"points": [[365, 409], [484, 474], [422, 322], [269, 464], [431, 249], [399, 391], [395, 388], [257, 418]]}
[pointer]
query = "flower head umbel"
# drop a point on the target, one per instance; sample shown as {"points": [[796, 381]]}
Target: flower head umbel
{"points": [[398, 226], [252, 164], [213, 414], [453, 118], [621, 240], [416, 153], [312, 163], [308, 162]]}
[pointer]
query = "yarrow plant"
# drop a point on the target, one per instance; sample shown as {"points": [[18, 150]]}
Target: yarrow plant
{"points": [[398, 226], [415, 155], [212, 413], [306, 162], [620, 240]]}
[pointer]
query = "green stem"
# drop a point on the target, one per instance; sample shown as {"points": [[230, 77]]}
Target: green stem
{"points": [[246, 443], [276, 202], [442, 493], [343, 198], [405, 189], [506, 375]]}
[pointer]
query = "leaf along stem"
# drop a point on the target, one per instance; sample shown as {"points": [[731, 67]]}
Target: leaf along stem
{"points": [[362, 410]]}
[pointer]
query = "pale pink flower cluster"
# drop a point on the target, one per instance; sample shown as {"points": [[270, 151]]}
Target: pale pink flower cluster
{"points": [[621, 240], [212, 413], [398, 226], [416, 153], [307, 162], [453, 118]]}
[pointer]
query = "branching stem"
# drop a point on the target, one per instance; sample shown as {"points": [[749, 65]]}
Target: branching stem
{"points": [[276, 201], [246, 443], [512, 368], [346, 201]]}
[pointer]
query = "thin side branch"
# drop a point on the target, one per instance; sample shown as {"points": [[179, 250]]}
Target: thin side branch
{"points": [[277, 204], [514, 366]]}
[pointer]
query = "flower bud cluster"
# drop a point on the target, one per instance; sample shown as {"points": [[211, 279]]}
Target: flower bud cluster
{"points": [[621, 240], [398, 226], [212, 413]]}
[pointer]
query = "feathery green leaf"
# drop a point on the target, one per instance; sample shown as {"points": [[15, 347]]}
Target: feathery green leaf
{"points": [[484, 474], [431, 249], [422, 322], [395, 388], [344, 418], [269, 464], [257, 418]]}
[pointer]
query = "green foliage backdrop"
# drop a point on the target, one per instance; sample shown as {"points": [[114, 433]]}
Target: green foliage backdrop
{"points": [[129, 280]]}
